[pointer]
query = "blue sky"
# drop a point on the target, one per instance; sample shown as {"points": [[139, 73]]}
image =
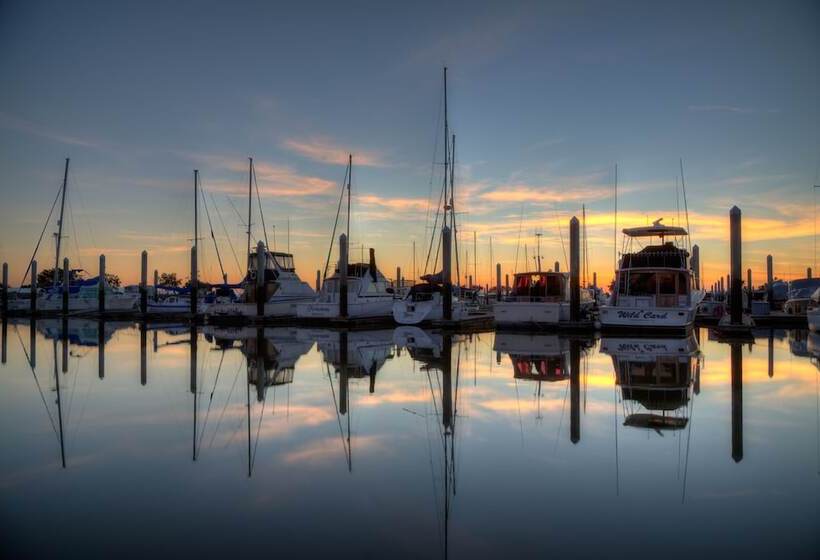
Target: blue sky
{"points": [[545, 98]]}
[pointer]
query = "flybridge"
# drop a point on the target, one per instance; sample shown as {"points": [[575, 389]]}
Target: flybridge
{"points": [[655, 230]]}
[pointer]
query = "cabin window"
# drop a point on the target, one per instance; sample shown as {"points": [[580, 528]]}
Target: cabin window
{"points": [[284, 261], [666, 283], [683, 283], [642, 283]]}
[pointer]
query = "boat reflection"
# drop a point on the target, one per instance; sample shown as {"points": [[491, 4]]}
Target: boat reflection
{"points": [[656, 378]]}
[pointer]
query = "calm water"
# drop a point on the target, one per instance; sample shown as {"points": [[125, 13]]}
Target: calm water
{"points": [[405, 443]]}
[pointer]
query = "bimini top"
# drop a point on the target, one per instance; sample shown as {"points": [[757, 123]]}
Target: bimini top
{"points": [[657, 229]]}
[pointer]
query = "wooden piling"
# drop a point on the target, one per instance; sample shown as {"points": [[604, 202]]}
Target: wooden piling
{"points": [[66, 284], [101, 286], [318, 280], [101, 349], [33, 302], [4, 299], [737, 402], [144, 282], [695, 265], [261, 259], [398, 279], [736, 275], [343, 260], [749, 289], [558, 267], [574, 271], [507, 284], [595, 280], [575, 389], [808, 273], [156, 285], [446, 255], [769, 279], [498, 281], [194, 281]]}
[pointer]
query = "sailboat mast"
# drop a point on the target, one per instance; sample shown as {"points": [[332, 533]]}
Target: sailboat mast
{"points": [[60, 223], [196, 216], [250, 200], [446, 147], [349, 180]]}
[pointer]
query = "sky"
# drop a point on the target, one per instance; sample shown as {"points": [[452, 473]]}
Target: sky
{"points": [[545, 100]]}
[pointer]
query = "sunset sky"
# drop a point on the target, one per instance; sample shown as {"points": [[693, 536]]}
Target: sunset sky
{"points": [[545, 99]]}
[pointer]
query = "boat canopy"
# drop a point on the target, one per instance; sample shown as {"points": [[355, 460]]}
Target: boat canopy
{"points": [[657, 229]]}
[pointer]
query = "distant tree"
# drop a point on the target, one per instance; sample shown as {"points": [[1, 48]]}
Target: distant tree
{"points": [[113, 280], [169, 279], [46, 277]]}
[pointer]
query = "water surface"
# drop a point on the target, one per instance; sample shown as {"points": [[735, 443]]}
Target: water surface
{"points": [[126, 441]]}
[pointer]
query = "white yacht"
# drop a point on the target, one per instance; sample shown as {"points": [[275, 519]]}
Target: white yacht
{"points": [[369, 295], [800, 295], [537, 299], [424, 302], [813, 313], [83, 297], [654, 288], [283, 290]]}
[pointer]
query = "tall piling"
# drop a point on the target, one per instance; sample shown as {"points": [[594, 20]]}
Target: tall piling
{"points": [[260, 279], [595, 280], [574, 271], [558, 267], [737, 275], [33, 302], [695, 265], [156, 285], [4, 298], [318, 280], [498, 281], [143, 354], [507, 284], [343, 260], [66, 284], [737, 402], [398, 279], [144, 282], [101, 286], [808, 273], [194, 281], [749, 290], [769, 279], [446, 250], [575, 389]]}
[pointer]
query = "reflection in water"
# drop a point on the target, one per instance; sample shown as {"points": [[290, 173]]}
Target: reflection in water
{"points": [[422, 426]]}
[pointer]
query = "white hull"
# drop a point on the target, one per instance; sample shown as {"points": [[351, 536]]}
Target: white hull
{"points": [[647, 317], [54, 302], [813, 316], [375, 308], [416, 312], [281, 308], [530, 313], [648, 348]]}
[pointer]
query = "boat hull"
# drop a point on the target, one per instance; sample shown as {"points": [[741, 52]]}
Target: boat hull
{"points": [[87, 305], [649, 318], [417, 312], [813, 317], [513, 313], [379, 308], [284, 308]]}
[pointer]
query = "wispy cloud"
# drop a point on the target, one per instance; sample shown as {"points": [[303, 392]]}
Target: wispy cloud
{"points": [[325, 150], [728, 109], [544, 194], [10, 122]]}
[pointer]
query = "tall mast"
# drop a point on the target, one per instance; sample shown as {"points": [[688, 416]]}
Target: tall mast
{"points": [[349, 180], [196, 216], [60, 224], [446, 146], [453, 207], [250, 200]]}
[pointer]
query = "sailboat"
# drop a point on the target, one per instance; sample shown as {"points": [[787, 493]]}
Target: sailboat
{"points": [[425, 301], [369, 293], [83, 294], [280, 287], [654, 286]]}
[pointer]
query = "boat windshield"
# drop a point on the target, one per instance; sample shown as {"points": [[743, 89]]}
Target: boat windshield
{"points": [[538, 285], [634, 283], [283, 261]]}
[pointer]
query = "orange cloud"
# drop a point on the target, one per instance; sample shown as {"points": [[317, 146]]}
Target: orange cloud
{"points": [[324, 151]]}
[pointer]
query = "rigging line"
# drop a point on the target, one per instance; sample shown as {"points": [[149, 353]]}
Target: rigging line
{"points": [[258, 430], [40, 239], [617, 462], [211, 399], [518, 242], [74, 231], [211, 227], [561, 236], [432, 166], [235, 209], [336, 223], [615, 229], [259, 202], [336, 407], [677, 199], [685, 204], [688, 440], [37, 381], [433, 234], [228, 237], [227, 401]]}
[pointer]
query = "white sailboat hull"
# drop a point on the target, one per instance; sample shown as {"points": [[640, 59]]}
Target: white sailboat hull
{"points": [[273, 308], [375, 308], [416, 312], [521, 313], [54, 302]]}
